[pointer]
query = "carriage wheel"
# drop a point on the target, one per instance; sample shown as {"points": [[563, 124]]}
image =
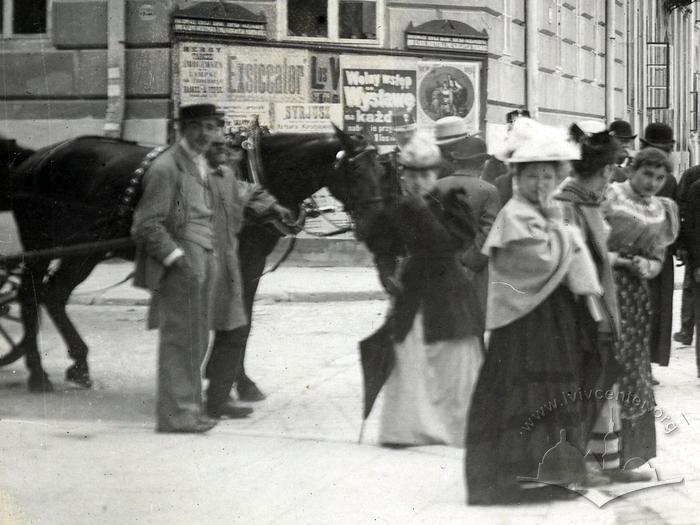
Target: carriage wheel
{"points": [[10, 322]]}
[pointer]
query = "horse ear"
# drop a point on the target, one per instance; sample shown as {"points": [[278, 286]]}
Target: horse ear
{"points": [[345, 139]]}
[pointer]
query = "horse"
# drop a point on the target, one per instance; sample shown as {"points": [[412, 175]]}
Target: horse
{"points": [[77, 191]]}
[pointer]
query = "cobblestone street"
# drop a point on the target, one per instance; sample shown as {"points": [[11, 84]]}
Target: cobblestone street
{"points": [[296, 460]]}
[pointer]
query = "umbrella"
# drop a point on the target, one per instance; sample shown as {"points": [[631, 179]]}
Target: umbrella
{"points": [[377, 358]]}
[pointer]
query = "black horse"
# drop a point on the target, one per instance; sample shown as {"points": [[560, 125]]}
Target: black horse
{"points": [[74, 193]]}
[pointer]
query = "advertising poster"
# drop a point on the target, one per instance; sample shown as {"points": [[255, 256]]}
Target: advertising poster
{"points": [[203, 72], [256, 74], [448, 89], [308, 118], [324, 71], [240, 114], [370, 98]]}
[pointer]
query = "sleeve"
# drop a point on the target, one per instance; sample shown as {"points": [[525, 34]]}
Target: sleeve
{"points": [[491, 208], [384, 242], [258, 203], [667, 236], [453, 230], [152, 211]]}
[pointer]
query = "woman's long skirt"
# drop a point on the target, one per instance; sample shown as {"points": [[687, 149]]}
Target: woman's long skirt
{"points": [[429, 390], [527, 394], [633, 353]]}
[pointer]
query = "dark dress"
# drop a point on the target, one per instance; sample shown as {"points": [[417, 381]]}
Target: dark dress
{"points": [[528, 389]]}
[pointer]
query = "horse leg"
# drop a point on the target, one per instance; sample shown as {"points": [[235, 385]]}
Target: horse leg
{"points": [[30, 295], [72, 272]]}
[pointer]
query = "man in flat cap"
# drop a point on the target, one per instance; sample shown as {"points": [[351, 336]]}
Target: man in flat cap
{"points": [[174, 233]]}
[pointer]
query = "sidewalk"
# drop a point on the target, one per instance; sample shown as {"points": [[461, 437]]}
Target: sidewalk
{"points": [[287, 283], [297, 284]]}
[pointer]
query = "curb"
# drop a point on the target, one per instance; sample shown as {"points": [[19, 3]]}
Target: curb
{"points": [[275, 297]]}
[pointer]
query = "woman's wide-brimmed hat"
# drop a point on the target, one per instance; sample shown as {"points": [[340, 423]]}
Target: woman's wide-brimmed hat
{"points": [[200, 112], [658, 135], [532, 141], [420, 154], [449, 130]]}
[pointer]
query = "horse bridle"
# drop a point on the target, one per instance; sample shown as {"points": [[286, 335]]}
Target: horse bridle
{"points": [[340, 158]]}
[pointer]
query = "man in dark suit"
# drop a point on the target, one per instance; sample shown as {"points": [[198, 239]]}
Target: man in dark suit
{"points": [[689, 177], [230, 316], [467, 157], [174, 233], [690, 233]]}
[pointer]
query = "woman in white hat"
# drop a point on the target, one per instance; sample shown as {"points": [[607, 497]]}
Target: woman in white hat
{"points": [[435, 323], [525, 396]]}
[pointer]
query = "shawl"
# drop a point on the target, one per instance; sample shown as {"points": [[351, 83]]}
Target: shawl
{"points": [[582, 208], [639, 225], [529, 257]]}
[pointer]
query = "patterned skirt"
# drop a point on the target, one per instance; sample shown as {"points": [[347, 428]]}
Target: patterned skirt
{"points": [[632, 351], [526, 399]]}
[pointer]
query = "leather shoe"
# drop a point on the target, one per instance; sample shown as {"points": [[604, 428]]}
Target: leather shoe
{"points": [[249, 392], [683, 338], [229, 410], [201, 426]]}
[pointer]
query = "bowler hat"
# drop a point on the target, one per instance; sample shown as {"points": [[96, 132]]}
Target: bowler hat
{"points": [[449, 130], [517, 113], [403, 122], [622, 130], [658, 135], [472, 149], [200, 111]]}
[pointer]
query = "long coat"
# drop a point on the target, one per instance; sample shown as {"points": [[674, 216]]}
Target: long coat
{"points": [[236, 200], [485, 203], [159, 222], [431, 232]]}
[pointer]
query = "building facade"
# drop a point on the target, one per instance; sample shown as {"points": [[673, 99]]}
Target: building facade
{"points": [[120, 67]]}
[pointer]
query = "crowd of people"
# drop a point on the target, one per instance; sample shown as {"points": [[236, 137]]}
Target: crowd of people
{"points": [[530, 295], [529, 292]]}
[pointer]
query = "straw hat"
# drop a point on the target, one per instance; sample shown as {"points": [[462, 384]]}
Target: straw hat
{"points": [[532, 141], [449, 130]]}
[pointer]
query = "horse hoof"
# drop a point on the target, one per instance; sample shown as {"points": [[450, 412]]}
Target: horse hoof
{"points": [[79, 375], [40, 384]]}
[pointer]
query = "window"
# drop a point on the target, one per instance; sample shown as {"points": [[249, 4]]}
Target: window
{"points": [[657, 75], [23, 17], [358, 19], [307, 18], [331, 20]]}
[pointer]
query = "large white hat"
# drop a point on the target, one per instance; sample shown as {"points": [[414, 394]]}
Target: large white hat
{"points": [[449, 130], [532, 141], [420, 153]]}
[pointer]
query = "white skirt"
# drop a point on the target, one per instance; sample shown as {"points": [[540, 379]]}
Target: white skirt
{"points": [[428, 393]]}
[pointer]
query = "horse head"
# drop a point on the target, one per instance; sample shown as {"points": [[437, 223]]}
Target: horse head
{"points": [[355, 180], [10, 156]]}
